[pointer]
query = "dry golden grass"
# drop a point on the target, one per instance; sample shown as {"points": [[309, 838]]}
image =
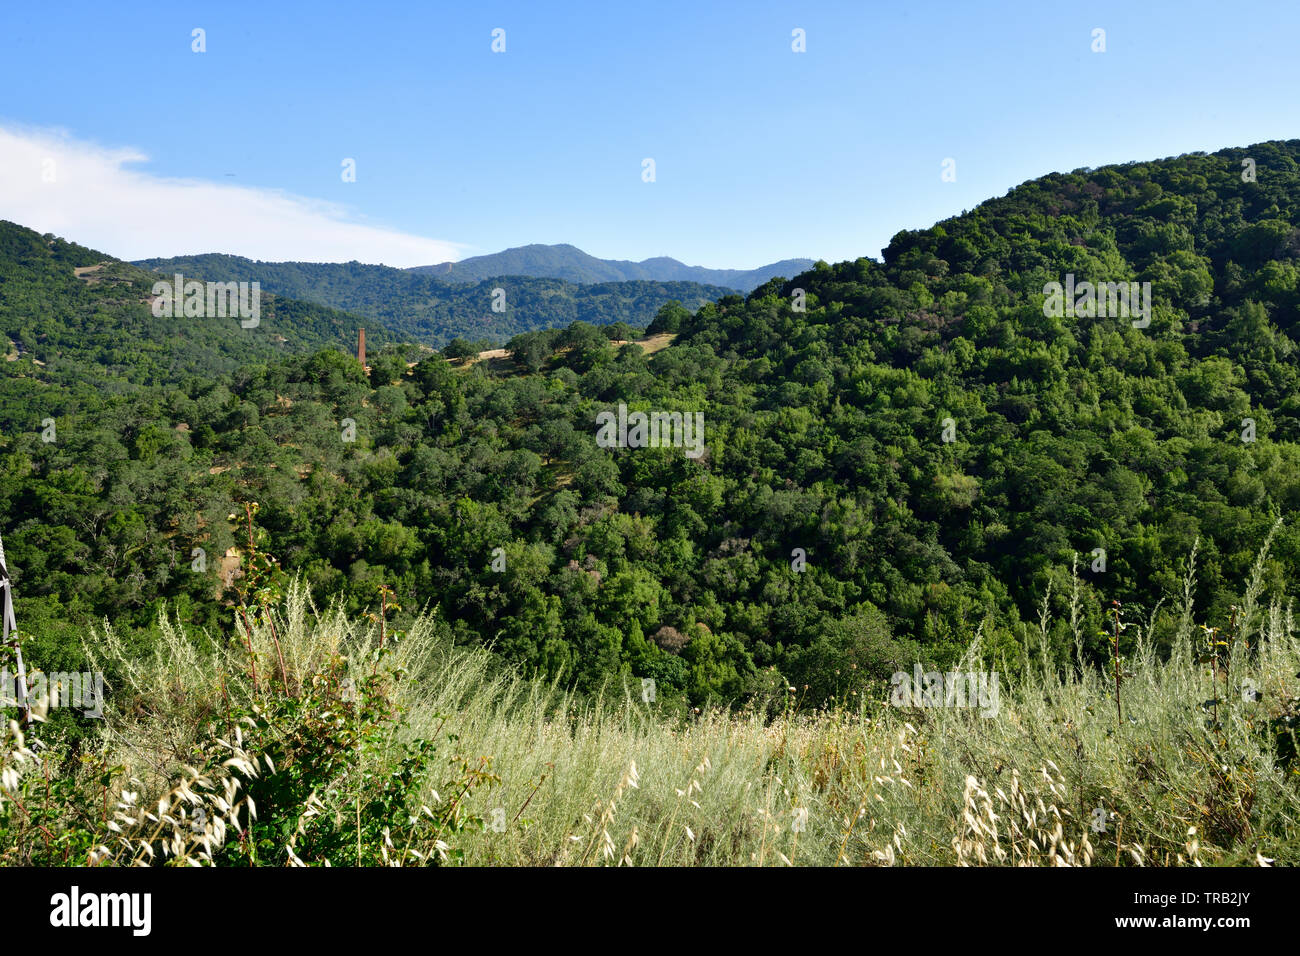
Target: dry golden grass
{"points": [[1052, 779]]}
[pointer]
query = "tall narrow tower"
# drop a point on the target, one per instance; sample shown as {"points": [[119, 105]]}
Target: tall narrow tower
{"points": [[11, 627], [361, 348]]}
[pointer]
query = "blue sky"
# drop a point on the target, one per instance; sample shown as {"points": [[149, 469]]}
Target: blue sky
{"points": [[761, 153]]}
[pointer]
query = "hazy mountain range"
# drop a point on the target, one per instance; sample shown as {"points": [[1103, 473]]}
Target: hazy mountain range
{"points": [[572, 264]]}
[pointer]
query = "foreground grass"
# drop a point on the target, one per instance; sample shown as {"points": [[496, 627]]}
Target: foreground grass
{"points": [[1193, 773], [610, 782]]}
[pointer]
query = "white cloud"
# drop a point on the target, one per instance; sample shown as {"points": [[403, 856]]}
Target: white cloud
{"points": [[97, 200]]}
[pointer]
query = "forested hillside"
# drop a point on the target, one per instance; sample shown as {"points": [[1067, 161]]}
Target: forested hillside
{"points": [[81, 320], [423, 308], [896, 454]]}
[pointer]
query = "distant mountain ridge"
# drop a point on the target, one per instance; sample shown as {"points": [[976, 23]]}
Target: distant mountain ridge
{"points": [[568, 262]]}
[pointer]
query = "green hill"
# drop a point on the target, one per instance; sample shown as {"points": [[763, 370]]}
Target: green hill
{"points": [[79, 319]]}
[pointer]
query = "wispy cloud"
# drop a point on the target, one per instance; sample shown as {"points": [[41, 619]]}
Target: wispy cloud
{"points": [[89, 194]]}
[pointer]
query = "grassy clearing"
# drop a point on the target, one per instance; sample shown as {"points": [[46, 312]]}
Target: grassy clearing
{"points": [[652, 343], [499, 361]]}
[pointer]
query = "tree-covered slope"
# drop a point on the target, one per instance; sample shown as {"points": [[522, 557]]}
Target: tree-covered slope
{"points": [[1071, 434], [427, 309], [77, 318]]}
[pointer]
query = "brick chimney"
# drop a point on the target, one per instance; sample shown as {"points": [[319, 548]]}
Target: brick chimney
{"points": [[361, 348]]}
